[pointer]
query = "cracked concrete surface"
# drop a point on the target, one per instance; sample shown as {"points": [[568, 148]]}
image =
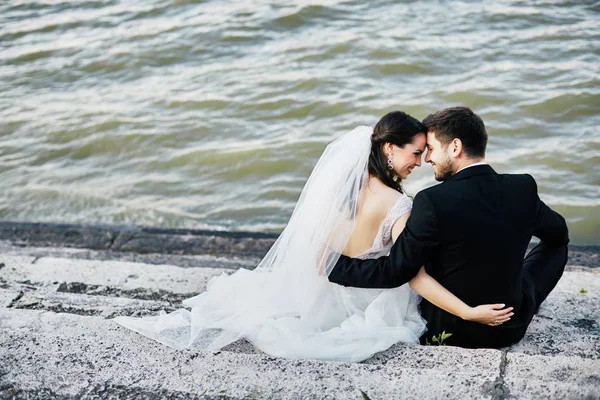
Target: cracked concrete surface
{"points": [[56, 340], [72, 354]]}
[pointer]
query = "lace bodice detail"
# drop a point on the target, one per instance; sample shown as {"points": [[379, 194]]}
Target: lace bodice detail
{"points": [[353, 299], [383, 240]]}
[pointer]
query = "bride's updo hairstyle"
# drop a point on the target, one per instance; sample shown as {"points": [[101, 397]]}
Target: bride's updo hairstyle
{"points": [[397, 128]]}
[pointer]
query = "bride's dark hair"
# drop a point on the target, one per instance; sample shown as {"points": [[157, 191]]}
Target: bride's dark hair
{"points": [[397, 128]]}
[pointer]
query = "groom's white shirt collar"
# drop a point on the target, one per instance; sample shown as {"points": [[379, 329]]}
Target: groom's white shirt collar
{"points": [[472, 165]]}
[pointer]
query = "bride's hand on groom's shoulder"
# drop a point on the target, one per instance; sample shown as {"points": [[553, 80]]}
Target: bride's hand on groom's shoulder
{"points": [[489, 314]]}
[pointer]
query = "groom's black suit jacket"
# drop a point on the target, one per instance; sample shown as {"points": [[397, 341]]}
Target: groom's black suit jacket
{"points": [[471, 232]]}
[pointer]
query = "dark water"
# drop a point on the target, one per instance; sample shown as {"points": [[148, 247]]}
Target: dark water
{"points": [[212, 114]]}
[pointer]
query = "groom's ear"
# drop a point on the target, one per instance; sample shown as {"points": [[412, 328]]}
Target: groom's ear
{"points": [[455, 148]]}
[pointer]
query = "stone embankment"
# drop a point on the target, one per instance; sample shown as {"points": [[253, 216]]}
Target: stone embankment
{"points": [[60, 285]]}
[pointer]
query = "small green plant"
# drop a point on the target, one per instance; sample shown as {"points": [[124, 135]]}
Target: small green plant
{"points": [[438, 340], [364, 395], [583, 290]]}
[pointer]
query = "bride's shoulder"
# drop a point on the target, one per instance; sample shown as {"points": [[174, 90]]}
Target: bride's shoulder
{"points": [[384, 198], [398, 204], [392, 197]]}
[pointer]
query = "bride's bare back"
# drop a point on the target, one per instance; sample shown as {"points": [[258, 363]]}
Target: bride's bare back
{"points": [[375, 204]]}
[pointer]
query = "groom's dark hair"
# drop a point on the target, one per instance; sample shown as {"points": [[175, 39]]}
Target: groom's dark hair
{"points": [[460, 123]]}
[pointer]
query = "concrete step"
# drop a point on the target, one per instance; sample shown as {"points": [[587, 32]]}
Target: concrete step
{"points": [[231, 262], [136, 238], [48, 271], [568, 321], [110, 288], [81, 304], [84, 356], [57, 342]]}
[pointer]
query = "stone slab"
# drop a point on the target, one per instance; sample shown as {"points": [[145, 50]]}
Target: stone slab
{"points": [[7, 296], [92, 354], [8, 265], [557, 377], [568, 322], [81, 304], [194, 261], [136, 239], [56, 343], [93, 237], [587, 256], [10, 262], [128, 275]]}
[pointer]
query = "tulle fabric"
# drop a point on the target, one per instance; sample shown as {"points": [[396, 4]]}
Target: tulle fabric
{"points": [[286, 307]]}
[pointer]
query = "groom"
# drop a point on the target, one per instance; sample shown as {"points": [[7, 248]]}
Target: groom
{"points": [[471, 233]]}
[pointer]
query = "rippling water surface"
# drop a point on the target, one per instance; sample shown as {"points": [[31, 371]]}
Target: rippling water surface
{"points": [[212, 114]]}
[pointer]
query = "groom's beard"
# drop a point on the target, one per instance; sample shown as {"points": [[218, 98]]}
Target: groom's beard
{"points": [[443, 171]]}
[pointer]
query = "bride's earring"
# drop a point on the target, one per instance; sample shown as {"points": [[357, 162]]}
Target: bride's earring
{"points": [[390, 166]]}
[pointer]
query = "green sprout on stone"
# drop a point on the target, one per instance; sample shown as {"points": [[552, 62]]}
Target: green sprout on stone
{"points": [[439, 339], [583, 290], [364, 395]]}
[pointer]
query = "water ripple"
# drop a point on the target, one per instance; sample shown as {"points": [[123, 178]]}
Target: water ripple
{"points": [[196, 114]]}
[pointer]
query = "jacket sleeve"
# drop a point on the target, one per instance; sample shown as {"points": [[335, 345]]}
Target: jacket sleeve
{"points": [[549, 226], [413, 248]]}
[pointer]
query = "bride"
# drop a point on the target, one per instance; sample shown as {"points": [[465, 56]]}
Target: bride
{"points": [[352, 204]]}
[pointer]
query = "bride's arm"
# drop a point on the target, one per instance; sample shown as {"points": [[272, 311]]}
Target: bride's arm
{"points": [[436, 294]]}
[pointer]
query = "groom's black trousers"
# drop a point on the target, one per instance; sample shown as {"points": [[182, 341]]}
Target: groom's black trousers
{"points": [[542, 269]]}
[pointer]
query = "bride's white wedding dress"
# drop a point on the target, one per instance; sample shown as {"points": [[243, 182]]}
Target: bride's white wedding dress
{"points": [[286, 307]]}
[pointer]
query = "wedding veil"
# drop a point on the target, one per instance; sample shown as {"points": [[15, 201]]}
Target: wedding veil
{"points": [[324, 217], [284, 303]]}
